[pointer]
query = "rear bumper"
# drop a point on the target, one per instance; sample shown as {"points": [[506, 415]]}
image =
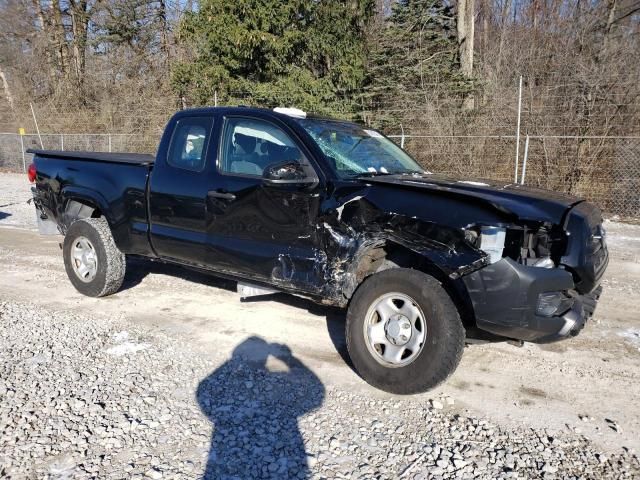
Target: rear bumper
{"points": [[504, 296]]}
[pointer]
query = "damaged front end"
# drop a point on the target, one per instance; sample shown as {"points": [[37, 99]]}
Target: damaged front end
{"points": [[519, 262], [513, 277], [542, 284]]}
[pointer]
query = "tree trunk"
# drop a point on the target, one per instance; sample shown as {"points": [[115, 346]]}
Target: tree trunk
{"points": [[611, 8], [79, 26], [59, 39], [164, 33], [486, 25], [46, 29], [486, 16], [466, 27], [503, 20], [5, 86]]}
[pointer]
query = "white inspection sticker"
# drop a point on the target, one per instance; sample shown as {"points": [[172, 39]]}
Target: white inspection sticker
{"points": [[373, 133]]}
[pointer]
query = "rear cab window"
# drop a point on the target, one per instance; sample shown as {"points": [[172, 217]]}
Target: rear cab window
{"points": [[189, 143]]}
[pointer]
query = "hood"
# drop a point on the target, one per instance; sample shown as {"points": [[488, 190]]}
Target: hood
{"points": [[526, 203]]}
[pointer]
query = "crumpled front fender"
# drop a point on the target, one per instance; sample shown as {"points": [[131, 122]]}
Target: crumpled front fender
{"points": [[357, 235]]}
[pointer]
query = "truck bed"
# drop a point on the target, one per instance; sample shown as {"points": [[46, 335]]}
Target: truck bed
{"points": [[129, 158], [113, 183]]}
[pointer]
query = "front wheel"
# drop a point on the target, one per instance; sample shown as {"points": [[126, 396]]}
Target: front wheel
{"points": [[404, 333], [93, 262]]}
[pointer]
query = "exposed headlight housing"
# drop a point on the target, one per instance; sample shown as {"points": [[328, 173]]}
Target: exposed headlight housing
{"points": [[492, 242], [553, 303]]}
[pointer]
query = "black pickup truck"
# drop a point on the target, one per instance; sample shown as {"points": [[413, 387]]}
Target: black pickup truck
{"points": [[335, 212]]}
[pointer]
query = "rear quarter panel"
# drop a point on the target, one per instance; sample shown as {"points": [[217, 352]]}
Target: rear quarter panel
{"points": [[117, 190]]}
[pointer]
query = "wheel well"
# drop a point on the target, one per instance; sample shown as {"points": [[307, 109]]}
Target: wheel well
{"points": [[392, 255], [76, 209]]}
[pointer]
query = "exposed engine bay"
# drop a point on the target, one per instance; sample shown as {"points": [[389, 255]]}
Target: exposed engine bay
{"points": [[536, 246]]}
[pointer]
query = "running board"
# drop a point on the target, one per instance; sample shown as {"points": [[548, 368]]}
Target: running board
{"points": [[247, 290]]}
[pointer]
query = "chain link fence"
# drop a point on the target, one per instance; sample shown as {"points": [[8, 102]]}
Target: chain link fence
{"points": [[13, 147], [605, 170]]}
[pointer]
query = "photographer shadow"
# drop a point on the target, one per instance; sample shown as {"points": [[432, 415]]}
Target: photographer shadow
{"points": [[254, 401]]}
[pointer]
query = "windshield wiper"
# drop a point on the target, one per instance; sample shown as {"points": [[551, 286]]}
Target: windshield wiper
{"points": [[375, 174], [378, 174]]}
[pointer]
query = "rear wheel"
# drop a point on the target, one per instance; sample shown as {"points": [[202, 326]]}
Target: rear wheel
{"points": [[93, 263], [404, 333]]}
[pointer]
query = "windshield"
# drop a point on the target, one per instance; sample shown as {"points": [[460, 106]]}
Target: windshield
{"points": [[353, 150]]}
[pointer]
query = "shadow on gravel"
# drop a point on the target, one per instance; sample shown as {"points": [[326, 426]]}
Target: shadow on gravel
{"points": [[334, 317], [254, 403], [4, 215]]}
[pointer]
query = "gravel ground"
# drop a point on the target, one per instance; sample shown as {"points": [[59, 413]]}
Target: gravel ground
{"points": [[149, 384], [87, 397], [14, 193]]}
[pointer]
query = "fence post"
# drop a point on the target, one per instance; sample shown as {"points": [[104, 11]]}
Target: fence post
{"points": [[518, 129], [524, 160], [61, 141], [36, 122], [24, 161], [109, 143]]}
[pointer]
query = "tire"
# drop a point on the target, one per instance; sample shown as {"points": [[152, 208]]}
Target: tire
{"points": [[437, 355], [109, 271]]}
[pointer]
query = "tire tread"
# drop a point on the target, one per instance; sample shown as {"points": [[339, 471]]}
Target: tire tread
{"points": [[115, 265], [452, 332]]}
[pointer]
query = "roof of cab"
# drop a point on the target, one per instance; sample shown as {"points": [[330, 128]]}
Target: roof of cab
{"points": [[252, 110]]}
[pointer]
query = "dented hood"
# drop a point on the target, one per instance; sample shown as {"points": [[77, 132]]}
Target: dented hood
{"points": [[526, 203]]}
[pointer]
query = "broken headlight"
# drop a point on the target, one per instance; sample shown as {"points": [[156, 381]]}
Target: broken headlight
{"points": [[553, 303]]}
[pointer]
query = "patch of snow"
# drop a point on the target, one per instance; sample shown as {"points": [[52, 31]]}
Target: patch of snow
{"points": [[62, 467], [121, 336], [126, 348]]}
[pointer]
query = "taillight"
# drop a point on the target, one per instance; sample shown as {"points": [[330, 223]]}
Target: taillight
{"points": [[31, 172]]}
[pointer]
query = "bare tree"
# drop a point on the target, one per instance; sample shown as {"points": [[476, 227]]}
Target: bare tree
{"points": [[80, 15], [5, 87], [466, 33]]}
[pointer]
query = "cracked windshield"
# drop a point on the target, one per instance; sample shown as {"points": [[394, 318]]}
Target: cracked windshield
{"points": [[352, 150]]}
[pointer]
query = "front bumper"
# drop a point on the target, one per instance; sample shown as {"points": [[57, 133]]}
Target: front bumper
{"points": [[504, 296]]}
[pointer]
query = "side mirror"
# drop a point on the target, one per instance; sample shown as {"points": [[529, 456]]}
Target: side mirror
{"points": [[287, 173]]}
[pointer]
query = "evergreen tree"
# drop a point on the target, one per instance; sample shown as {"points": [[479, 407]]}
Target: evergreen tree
{"points": [[305, 53], [413, 51]]}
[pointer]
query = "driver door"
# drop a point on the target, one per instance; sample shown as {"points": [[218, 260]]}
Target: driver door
{"points": [[258, 229]]}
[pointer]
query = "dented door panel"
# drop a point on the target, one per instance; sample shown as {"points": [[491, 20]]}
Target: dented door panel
{"points": [[264, 231]]}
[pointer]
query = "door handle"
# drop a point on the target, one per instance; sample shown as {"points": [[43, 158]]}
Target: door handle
{"points": [[223, 195]]}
